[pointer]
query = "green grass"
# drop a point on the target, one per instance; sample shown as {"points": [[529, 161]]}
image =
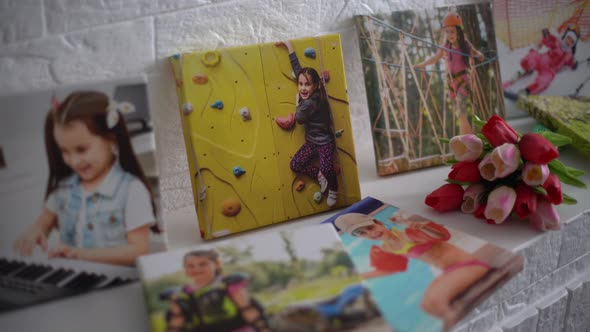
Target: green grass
{"points": [[313, 290]]}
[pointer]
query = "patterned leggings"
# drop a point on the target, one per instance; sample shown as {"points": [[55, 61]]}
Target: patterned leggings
{"points": [[302, 162]]}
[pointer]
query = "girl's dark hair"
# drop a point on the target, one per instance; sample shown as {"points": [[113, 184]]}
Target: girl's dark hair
{"points": [[210, 254], [316, 80], [463, 46], [89, 107]]}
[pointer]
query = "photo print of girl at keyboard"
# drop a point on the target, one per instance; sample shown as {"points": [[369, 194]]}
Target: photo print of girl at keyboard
{"points": [[96, 191]]}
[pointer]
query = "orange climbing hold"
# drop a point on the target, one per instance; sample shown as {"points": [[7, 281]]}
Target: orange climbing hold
{"points": [[299, 185], [200, 79], [286, 122], [231, 207]]}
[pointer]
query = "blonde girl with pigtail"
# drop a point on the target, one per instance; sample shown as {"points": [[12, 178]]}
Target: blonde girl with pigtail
{"points": [[97, 196]]}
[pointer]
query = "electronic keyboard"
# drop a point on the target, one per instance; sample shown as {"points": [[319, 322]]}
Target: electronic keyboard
{"points": [[26, 281]]}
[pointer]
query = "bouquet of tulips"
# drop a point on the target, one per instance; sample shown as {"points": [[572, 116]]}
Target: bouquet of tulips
{"points": [[498, 172]]}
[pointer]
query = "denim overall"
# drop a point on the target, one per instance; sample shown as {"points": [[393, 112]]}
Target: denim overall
{"points": [[105, 211]]}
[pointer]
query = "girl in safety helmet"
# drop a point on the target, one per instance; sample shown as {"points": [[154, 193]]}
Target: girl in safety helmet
{"points": [[457, 52]]}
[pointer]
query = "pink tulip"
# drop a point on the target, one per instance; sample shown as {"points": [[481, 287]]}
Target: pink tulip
{"points": [[535, 174], [487, 168], [466, 147], [498, 132], [526, 201], [500, 203], [553, 188], [537, 149], [506, 159], [545, 217], [472, 197]]}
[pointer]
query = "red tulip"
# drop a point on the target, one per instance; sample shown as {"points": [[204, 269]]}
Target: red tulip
{"points": [[479, 212], [537, 149], [465, 171], [553, 188], [498, 132], [446, 198], [526, 200]]}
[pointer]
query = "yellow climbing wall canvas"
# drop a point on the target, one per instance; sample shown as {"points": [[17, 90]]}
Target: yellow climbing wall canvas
{"points": [[238, 110]]}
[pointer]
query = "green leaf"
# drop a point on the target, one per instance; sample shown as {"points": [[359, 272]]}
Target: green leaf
{"points": [[540, 190], [567, 199], [458, 182], [555, 138], [451, 161], [574, 171], [478, 122], [558, 168], [444, 140]]}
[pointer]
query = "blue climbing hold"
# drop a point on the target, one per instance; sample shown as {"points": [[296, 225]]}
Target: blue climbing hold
{"points": [[176, 56], [218, 104], [309, 52], [239, 171]]}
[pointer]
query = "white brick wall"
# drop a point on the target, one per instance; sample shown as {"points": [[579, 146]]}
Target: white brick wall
{"points": [[44, 43]]}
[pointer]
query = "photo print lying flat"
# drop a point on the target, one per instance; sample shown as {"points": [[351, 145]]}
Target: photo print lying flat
{"points": [[424, 276], [286, 281]]}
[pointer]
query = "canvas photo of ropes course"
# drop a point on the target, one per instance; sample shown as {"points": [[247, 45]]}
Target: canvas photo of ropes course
{"points": [[427, 73]]}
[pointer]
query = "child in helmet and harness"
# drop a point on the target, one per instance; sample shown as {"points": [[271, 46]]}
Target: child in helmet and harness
{"points": [[561, 53], [212, 302], [457, 51]]}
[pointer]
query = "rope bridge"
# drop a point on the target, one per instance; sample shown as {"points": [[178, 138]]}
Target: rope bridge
{"points": [[414, 112]]}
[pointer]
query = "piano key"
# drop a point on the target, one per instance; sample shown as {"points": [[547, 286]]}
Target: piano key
{"points": [[32, 272], [58, 276], [7, 267], [84, 281]]}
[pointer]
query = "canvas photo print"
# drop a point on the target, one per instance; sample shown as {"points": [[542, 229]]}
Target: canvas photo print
{"points": [[543, 47], [267, 132], [424, 275], [300, 280], [78, 190], [428, 72]]}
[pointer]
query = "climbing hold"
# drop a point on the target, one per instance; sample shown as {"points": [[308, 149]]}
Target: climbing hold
{"points": [[211, 58], [200, 78], [178, 83], [317, 197], [176, 56], [309, 52], [230, 207], [245, 114], [286, 122], [187, 108], [238, 171], [339, 133], [218, 104], [326, 75], [299, 185]]}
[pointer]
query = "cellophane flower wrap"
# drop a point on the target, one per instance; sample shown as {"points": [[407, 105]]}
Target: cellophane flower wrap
{"points": [[497, 173]]}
